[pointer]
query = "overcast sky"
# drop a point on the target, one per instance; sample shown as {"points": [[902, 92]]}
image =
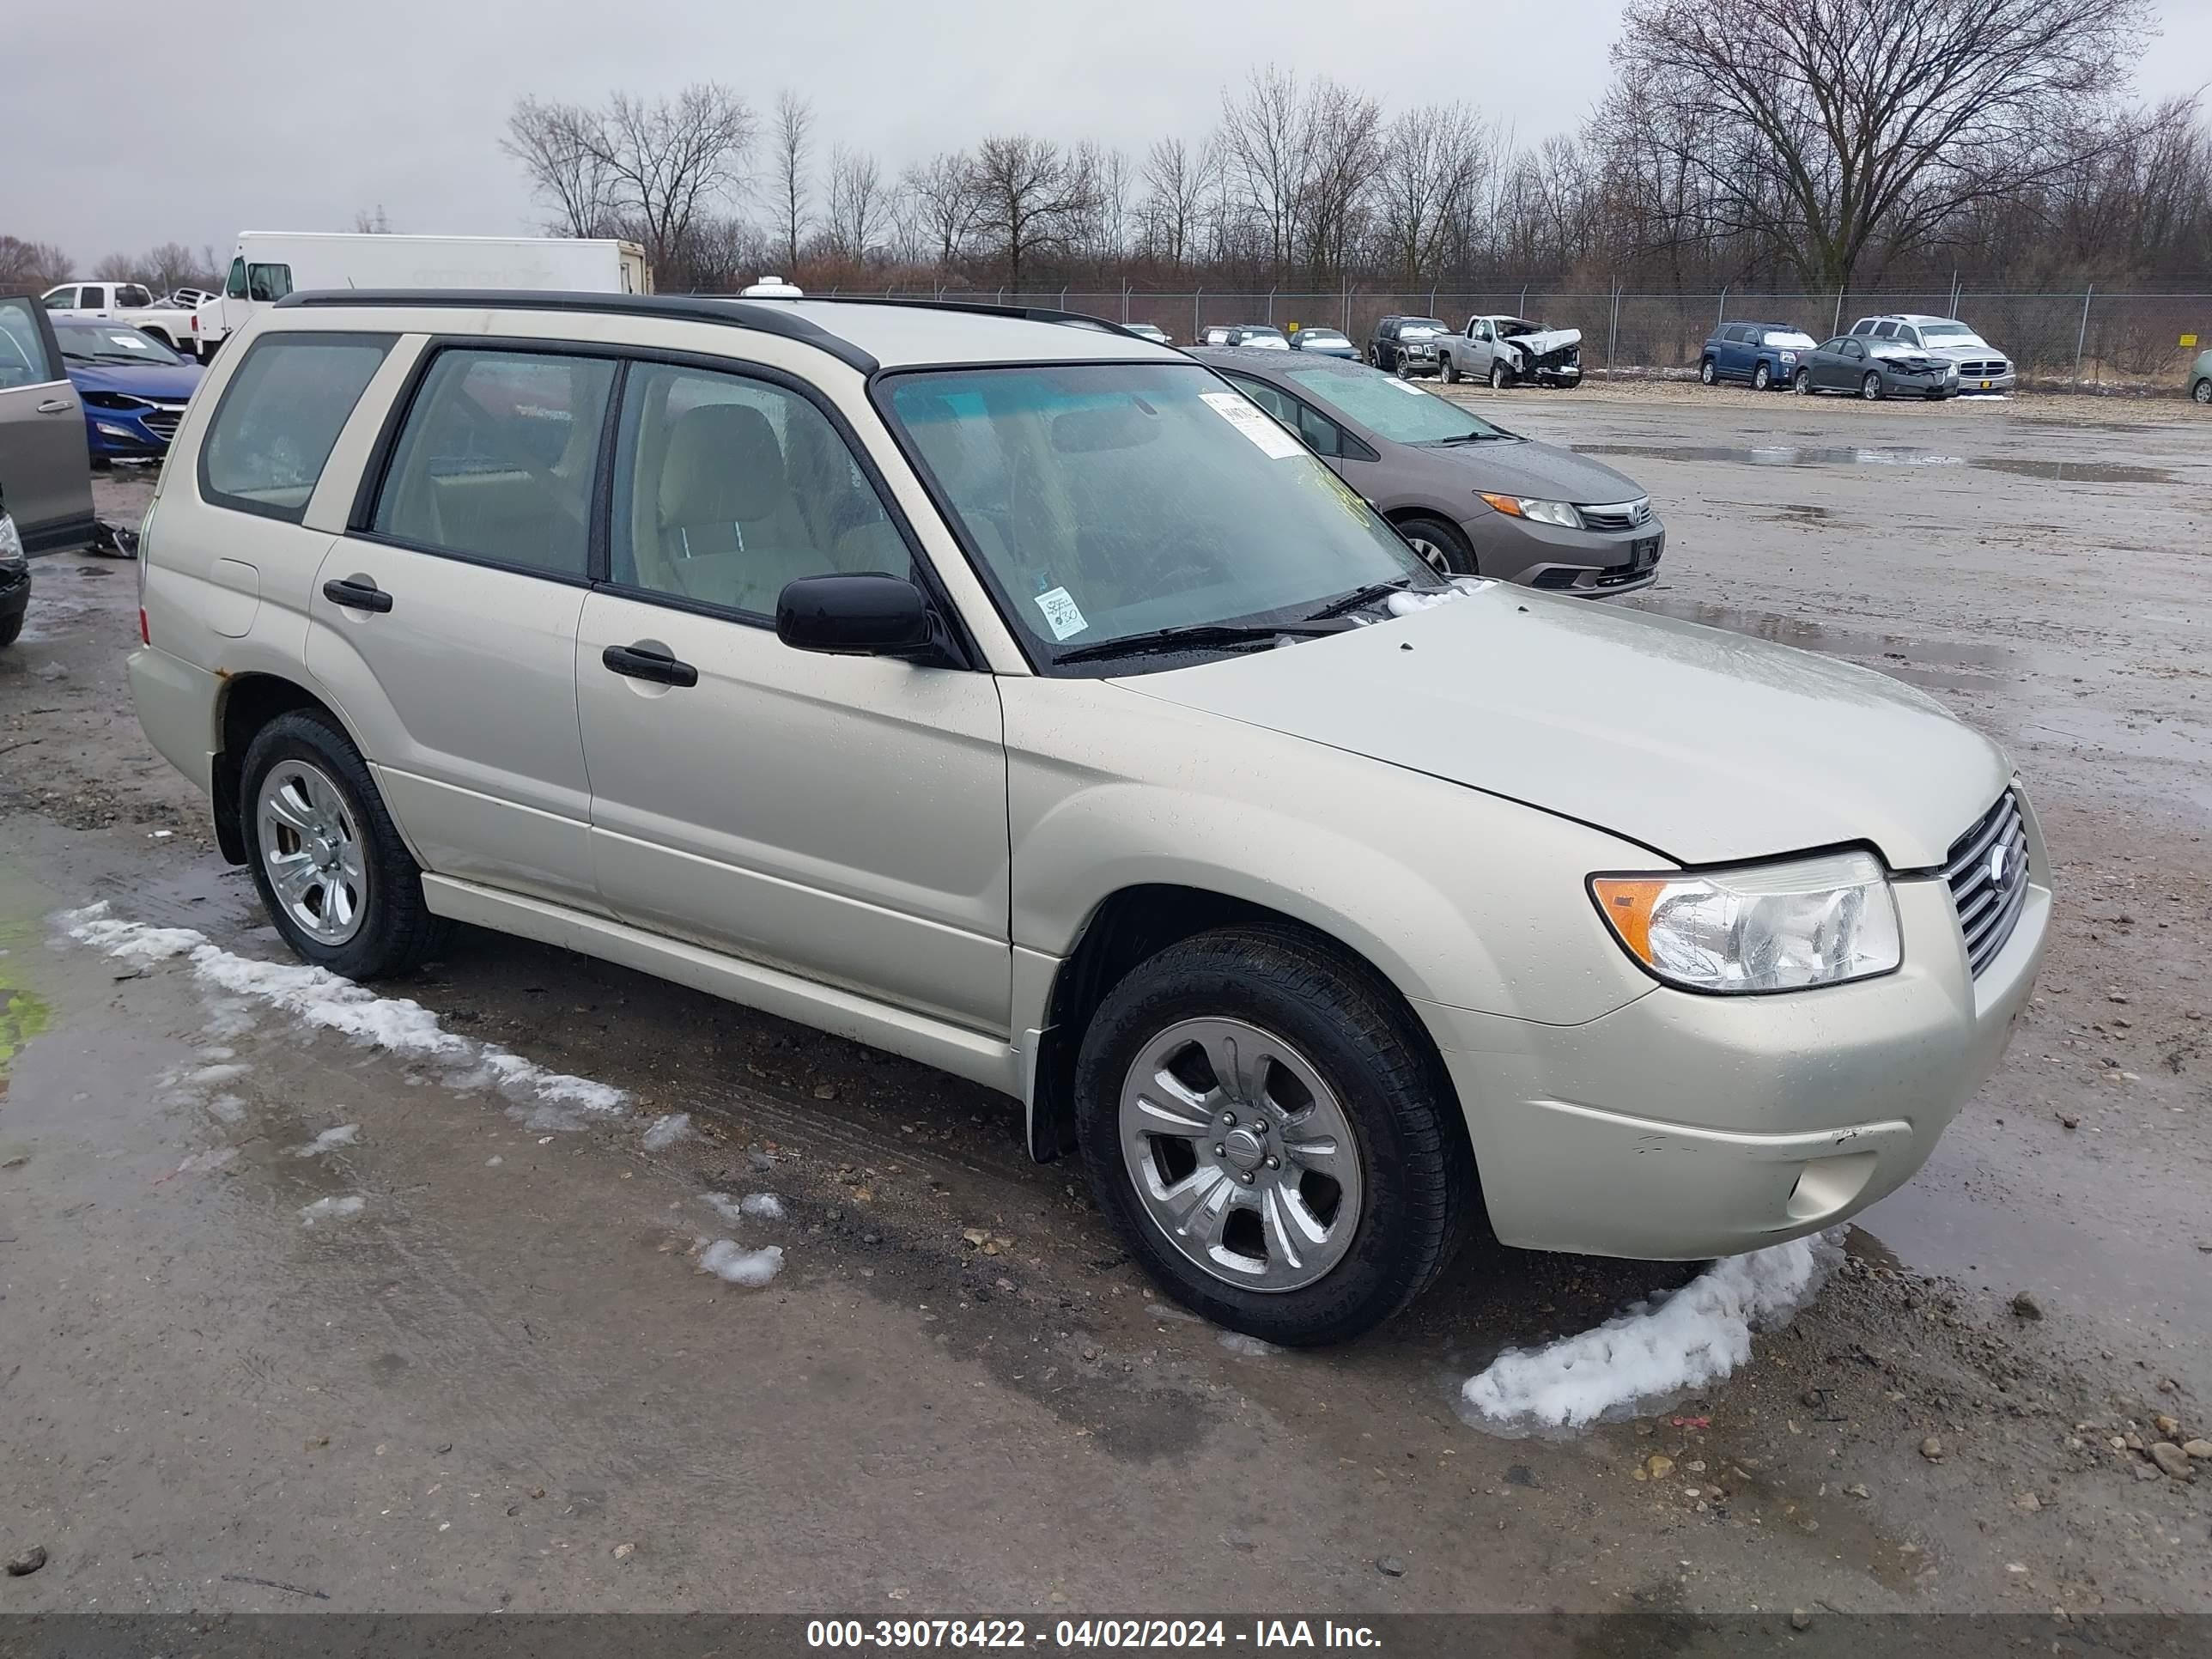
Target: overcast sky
{"points": [[295, 116]]}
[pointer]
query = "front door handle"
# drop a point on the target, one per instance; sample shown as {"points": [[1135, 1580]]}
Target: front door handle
{"points": [[56, 406], [645, 662], [357, 595]]}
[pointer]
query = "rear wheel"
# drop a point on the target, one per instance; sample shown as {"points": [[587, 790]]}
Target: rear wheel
{"points": [[1452, 369], [327, 860], [1761, 378], [1706, 373], [1870, 388], [1271, 1137], [1441, 547]]}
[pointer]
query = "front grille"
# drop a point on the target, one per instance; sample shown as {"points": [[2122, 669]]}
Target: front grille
{"points": [[1616, 515], [162, 422], [1987, 873], [1988, 370]]}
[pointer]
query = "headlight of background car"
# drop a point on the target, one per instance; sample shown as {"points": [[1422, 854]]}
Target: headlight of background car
{"points": [[11, 543], [1759, 927], [1521, 507]]}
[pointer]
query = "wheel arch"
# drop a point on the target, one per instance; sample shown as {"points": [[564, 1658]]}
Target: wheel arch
{"points": [[249, 703]]}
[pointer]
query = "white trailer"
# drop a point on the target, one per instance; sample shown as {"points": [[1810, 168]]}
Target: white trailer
{"points": [[269, 264]]}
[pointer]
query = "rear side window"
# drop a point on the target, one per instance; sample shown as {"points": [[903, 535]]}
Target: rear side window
{"points": [[22, 347], [281, 413], [131, 297], [497, 458]]}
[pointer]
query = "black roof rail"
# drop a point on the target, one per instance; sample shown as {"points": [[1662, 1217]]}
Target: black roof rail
{"points": [[766, 319], [986, 308]]}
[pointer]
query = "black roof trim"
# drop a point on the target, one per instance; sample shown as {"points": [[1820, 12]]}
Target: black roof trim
{"points": [[986, 308], [764, 318]]}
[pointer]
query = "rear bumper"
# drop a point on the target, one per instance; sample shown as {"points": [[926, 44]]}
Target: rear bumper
{"points": [[177, 707], [1684, 1127]]}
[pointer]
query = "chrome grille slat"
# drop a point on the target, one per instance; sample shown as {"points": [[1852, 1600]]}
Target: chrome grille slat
{"points": [[1988, 911]]}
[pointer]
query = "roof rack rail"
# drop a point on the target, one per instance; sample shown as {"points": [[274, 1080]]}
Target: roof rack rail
{"points": [[984, 307], [770, 318]]}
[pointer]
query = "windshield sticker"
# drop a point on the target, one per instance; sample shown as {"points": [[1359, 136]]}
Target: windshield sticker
{"points": [[1246, 416], [1061, 614]]}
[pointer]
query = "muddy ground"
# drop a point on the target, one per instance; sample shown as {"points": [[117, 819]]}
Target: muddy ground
{"points": [[502, 1380]]}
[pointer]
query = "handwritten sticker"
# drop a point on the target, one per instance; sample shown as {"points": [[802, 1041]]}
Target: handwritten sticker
{"points": [[1061, 614], [1246, 416]]}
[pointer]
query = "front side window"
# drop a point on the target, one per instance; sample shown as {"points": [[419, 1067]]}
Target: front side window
{"points": [[726, 488], [22, 348], [61, 298], [235, 286], [496, 460], [1853, 349], [270, 282], [1396, 410], [280, 413], [1108, 502]]}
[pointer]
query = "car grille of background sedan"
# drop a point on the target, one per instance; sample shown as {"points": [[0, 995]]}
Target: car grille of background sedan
{"points": [[1615, 515], [1987, 874]]}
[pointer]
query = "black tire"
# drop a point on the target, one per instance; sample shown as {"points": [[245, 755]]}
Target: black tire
{"points": [[1499, 380], [11, 627], [1870, 386], [1452, 369], [1421, 1197], [1762, 379], [2202, 391], [397, 932], [1404, 367], [1451, 544], [1804, 384], [1706, 373]]}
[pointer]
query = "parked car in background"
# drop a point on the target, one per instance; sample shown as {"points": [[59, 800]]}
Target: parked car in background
{"points": [[2200, 382], [45, 472], [120, 302], [1406, 346], [1874, 369], [134, 388], [1765, 354], [1324, 343], [1152, 332], [1513, 351], [1471, 497], [1981, 365], [269, 264], [15, 577], [1075, 729]]}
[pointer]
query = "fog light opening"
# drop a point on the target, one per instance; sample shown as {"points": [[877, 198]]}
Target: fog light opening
{"points": [[1825, 1185]]}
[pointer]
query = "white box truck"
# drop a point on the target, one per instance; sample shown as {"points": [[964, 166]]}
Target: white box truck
{"points": [[269, 264]]}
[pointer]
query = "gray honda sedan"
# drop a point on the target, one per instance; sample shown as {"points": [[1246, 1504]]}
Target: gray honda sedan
{"points": [[1472, 498]]}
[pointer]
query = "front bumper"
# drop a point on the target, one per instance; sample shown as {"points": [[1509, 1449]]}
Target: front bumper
{"points": [[1585, 563], [1683, 1127], [123, 434]]}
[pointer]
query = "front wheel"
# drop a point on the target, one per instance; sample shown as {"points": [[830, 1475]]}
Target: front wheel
{"points": [[1706, 373], [1761, 378], [1441, 546], [1404, 371], [326, 858], [10, 627], [1498, 378], [1803, 383], [2202, 391], [1870, 388], [1274, 1142]]}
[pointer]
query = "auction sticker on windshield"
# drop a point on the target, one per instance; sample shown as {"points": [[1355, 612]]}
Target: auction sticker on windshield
{"points": [[1061, 613], [1244, 415]]}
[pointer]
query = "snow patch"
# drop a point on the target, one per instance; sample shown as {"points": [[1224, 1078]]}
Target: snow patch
{"points": [[728, 1259], [202, 1163], [1404, 604], [208, 1076], [666, 1132], [551, 1100], [228, 1108], [725, 1206], [325, 1209], [1251, 1348], [761, 1206], [1685, 1339], [346, 1134]]}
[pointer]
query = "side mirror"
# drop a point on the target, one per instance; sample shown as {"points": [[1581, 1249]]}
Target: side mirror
{"points": [[870, 615]]}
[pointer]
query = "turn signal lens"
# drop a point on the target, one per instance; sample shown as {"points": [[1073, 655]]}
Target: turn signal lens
{"points": [[1759, 927]]}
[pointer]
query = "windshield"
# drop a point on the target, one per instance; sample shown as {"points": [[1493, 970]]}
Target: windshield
{"points": [[90, 343], [1947, 331], [1788, 336], [1413, 327], [1108, 501], [1390, 408], [1323, 337]]}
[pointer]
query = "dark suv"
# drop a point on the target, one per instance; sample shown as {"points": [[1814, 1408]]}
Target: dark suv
{"points": [[1407, 346]]}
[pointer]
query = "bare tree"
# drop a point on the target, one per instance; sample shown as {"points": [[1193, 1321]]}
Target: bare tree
{"points": [[1437, 159], [1347, 154], [1029, 199], [1100, 177], [1177, 180], [1268, 154], [1849, 127], [793, 137], [116, 268], [942, 197], [860, 206], [32, 264], [564, 170], [173, 265], [369, 223]]}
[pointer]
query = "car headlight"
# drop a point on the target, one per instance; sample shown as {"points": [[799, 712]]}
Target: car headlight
{"points": [[1758, 927], [11, 543], [1521, 507], [1789, 356]]}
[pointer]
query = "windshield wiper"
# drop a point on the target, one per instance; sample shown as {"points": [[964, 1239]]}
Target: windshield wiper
{"points": [[1195, 637], [1359, 597]]}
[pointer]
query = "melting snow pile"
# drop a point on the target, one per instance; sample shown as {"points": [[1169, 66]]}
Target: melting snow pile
{"points": [[346, 1134], [1404, 604], [753, 1206], [666, 1132], [321, 998], [1682, 1340], [322, 1209], [728, 1259]]}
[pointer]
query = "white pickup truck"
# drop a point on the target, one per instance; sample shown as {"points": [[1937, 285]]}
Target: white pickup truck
{"points": [[1510, 350], [121, 302]]}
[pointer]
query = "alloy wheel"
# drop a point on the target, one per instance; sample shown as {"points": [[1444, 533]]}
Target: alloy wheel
{"points": [[1242, 1154], [1870, 388], [311, 849]]}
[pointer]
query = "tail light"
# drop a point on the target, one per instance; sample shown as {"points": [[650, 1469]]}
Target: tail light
{"points": [[145, 637]]}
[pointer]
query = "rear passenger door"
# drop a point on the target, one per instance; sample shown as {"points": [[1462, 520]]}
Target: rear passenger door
{"points": [[840, 817], [444, 619]]}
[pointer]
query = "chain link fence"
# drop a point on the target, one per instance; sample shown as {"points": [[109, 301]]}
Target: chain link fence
{"points": [[2091, 339]]}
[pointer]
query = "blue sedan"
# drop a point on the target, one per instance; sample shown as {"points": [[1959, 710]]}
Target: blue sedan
{"points": [[134, 388]]}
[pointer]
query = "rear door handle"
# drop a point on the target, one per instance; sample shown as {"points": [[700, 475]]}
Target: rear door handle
{"points": [[357, 595], [645, 662]]}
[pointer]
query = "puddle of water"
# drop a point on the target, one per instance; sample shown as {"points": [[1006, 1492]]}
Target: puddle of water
{"points": [[1951, 666], [22, 1016], [1810, 455]]}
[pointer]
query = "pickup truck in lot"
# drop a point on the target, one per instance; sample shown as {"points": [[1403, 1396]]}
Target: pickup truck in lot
{"points": [[1509, 351], [120, 302]]}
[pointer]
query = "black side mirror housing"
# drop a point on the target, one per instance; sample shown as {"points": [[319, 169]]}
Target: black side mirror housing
{"points": [[866, 615]]}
